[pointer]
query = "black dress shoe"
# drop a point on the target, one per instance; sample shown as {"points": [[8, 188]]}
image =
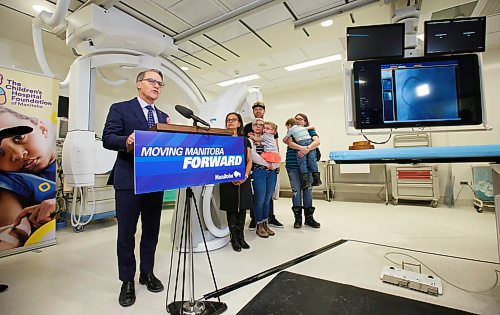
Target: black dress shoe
{"points": [[151, 282], [127, 294]]}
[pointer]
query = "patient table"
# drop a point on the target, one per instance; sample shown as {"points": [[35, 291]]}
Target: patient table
{"points": [[450, 154]]}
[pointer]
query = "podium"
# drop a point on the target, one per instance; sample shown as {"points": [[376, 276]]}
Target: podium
{"points": [[177, 156]]}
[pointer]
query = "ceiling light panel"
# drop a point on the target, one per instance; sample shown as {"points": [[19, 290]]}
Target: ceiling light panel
{"points": [[239, 80], [314, 62], [327, 23]]}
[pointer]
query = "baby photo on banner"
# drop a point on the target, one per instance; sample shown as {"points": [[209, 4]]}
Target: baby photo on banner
{"points": [[28, 104]]}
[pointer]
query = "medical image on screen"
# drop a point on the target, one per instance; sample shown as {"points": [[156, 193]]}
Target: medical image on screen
{"points": [[422, 93], [417, 92]]}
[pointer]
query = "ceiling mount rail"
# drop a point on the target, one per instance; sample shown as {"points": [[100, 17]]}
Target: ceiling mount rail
{"points": [[314, 18], [224, 19]]}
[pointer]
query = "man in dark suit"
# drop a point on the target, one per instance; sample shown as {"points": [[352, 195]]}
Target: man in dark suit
{"points": [[123, 119]]}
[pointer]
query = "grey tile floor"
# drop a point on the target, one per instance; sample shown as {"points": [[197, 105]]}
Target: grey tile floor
{"points": [[79, 274]]}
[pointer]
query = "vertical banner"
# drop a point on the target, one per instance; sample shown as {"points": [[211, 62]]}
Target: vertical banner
{"points": [[169, 160], [27, 161]]}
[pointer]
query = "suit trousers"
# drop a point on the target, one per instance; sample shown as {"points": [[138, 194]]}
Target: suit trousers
{"points": [[128, 208]]}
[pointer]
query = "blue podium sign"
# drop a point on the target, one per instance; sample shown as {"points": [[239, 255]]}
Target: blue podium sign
{"points": [[170, 160]]}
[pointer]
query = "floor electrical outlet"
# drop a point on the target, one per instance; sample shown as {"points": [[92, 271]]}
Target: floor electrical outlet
{"points": [[412, 280]]}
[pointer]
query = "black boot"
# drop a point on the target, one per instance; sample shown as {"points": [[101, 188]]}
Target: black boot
{"points": [[233, 230], [316, 179], [309, 219], [297, 212], [304, 180], [241, 227]]}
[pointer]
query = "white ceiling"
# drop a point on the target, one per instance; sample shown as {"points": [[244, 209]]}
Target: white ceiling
{"points": [[261, 42]]}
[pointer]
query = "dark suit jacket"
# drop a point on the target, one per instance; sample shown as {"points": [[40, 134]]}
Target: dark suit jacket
{"points": [[123, 118]]}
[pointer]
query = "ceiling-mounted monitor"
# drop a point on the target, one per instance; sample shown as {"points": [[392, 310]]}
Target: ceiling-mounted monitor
{"points": [[417, 92], [375, 41], [455, 36]]}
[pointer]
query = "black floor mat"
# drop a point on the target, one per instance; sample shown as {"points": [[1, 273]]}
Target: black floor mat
{"points": [[291, 293]]}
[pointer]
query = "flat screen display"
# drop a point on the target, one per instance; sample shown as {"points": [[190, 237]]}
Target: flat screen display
{"points": [[455, 36], [63, 106], [375, 41], [417, 92]]}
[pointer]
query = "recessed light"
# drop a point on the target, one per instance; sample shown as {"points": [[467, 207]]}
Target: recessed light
{"points": [[183, 68], [39, 8], [326, 23], [314, 62], [238, 80]]}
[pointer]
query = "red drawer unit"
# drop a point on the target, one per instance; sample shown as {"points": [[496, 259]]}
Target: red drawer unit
{"points": [[416, 182]]}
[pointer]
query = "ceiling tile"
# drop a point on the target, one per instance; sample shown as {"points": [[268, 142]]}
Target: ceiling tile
{"points": [[269, 16], [322, 49], [261, 64], [150, 12], [228, 32], [165, 4], [273, 74], [206, 10], [305, 8], [237, 71], [289, 57], [235, 4], [216, 76]]}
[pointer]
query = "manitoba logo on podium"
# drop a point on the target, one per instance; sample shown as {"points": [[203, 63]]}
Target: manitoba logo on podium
{"points": [[169, 160]]}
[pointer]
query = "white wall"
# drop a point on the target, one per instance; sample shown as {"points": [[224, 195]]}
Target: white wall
{"points": [[21, 56]]}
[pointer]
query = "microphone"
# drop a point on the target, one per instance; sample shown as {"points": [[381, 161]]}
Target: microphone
{"points": [[188, 113]]}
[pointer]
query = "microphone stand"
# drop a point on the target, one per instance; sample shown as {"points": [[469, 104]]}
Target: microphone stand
{"points": [[195, 124], [191, 306]]}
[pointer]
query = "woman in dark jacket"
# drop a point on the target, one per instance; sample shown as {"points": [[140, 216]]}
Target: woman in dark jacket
{"points": [[236, 197]]}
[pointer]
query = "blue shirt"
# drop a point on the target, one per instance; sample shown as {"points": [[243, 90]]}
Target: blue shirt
{"points": [[291, 154]]}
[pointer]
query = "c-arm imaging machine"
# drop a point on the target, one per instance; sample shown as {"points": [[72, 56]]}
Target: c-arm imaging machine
{"points": [[109, 37]]}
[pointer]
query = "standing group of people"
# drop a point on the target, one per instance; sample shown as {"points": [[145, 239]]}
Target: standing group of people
{"points": [[263, 160]]}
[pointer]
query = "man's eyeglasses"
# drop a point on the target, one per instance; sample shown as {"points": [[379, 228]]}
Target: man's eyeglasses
{"points": [[259, 125], [231, 120], [153, 82]]}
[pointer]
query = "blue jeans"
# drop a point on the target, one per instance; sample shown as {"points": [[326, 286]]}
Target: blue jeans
{"points": [[264, 183], [300, 197], [309, 160]]}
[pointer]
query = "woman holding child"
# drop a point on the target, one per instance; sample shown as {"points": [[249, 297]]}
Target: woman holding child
{"points": [[264, 173], [301, 194]]}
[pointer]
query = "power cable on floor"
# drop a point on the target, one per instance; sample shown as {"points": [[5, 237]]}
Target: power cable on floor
{"points": [[436, 254], [441, 277]]}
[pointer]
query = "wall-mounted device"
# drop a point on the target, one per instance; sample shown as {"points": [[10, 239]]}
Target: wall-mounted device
{"points": [[455, 36], [417, 92], [375, 41]]}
